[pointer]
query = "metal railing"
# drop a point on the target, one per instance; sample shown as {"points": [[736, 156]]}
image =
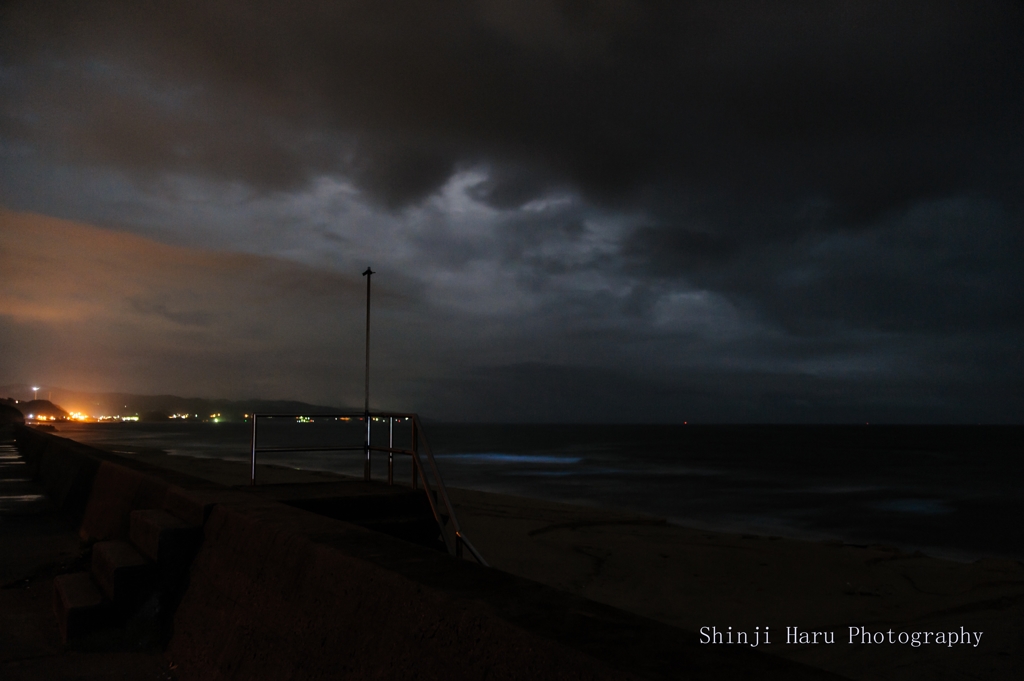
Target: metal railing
{"points": [[454, 538]]}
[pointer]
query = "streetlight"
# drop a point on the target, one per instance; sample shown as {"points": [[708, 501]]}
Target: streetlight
{"points": [[35, 393]]}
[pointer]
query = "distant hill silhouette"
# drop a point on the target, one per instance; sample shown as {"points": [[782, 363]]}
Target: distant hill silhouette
{"points": [[159, 407], [42, 408], [9, 413]]}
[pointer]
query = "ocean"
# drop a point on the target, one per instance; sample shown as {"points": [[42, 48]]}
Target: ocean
{"points": [[948, 491]]}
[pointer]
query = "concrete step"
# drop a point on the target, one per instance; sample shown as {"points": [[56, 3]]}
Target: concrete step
{"points": [[418, 529], [401, 512], [164, 539], [79, 606], [124, 575], [352, 501]]}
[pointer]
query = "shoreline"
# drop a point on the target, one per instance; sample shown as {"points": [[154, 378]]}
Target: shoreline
{"points": [[964, 556], [268, 574], [693, 578], [859, 497]]}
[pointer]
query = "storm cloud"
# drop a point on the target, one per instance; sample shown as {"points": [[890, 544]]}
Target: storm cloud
{"points": [[637, 210]]}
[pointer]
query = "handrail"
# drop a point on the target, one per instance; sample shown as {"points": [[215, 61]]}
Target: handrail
{"points": [[458, 540]]}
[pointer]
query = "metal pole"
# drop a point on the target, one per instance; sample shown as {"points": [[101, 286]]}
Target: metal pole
{"points": [[366, 405], [369, 275], [252, 480], [366, 449], [391, 454], [414, 449]]}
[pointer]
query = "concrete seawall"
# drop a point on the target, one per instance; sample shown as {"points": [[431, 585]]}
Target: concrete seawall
{"points": [[278, 592]]}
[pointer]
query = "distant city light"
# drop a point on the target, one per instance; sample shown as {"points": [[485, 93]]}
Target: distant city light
{"points": [[117, 417]]}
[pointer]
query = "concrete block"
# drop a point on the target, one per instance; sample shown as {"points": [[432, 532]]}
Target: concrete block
{"points": [[112, 498], [78, 605], [193, 507], [163, 538], [122, 573], [65, 473], [151, 492]]}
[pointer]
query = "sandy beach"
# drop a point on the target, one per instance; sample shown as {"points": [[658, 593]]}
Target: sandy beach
{"points": [[696, 580]]}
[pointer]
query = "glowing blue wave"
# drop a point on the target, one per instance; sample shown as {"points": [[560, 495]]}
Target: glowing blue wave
{"points": [[499, 457]]}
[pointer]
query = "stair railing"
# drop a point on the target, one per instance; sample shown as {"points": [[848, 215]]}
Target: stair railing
{"points": [[424, 468]]}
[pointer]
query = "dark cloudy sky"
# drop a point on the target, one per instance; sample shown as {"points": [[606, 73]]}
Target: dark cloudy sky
{"points": [[715, 210]]}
